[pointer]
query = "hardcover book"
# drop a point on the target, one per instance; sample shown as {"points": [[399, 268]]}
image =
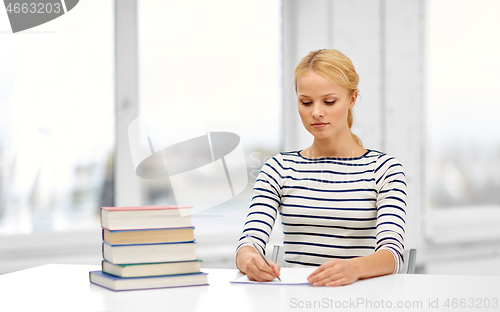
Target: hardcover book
{"points": [[145, 217], [135, 283], [149, 253], [152, 236], [151, 269]]}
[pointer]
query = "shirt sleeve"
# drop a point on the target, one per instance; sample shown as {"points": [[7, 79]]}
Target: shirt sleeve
{"points": [[391, 208], [264, 206]]}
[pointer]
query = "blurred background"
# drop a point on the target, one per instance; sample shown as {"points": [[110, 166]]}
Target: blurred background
{"points": [[69, 89]]}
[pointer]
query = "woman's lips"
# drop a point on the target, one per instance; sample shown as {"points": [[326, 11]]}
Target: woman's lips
{"points": [[319, 125]]}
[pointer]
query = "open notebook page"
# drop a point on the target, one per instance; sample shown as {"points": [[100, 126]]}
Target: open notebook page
{"points": [[289, 276]]}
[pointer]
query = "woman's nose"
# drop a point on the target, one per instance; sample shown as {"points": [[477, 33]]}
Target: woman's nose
{"points": [[317, 111]]}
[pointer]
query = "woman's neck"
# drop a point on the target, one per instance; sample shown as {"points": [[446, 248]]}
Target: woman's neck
{"points": [[342, 147]]}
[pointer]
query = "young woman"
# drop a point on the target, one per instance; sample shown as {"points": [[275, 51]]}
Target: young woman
{"points": [[342, 206]]}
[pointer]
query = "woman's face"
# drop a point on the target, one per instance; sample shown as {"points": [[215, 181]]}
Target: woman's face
{"points": [[323, 105]]}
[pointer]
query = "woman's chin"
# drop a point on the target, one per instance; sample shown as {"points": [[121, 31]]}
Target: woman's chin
{"points": [[320, 134]]}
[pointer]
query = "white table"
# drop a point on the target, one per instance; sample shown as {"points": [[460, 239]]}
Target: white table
{"points": [[66, 288]]}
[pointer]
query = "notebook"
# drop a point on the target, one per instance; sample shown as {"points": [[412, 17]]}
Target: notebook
{"points": [[289, 276]]}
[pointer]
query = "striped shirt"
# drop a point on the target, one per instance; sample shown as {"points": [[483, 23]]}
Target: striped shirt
{"points": [[330, 207]]}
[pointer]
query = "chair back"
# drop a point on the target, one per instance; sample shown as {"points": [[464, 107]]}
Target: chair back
{"points": [[409, 258]]}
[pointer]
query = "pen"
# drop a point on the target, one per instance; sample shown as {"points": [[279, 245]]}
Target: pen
{"points": [[260, 253]]}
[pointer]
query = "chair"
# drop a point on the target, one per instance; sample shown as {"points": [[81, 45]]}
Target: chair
{"points": [[277, 256], [409, 258]]}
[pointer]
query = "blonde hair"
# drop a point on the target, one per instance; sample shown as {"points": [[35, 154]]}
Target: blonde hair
{"points": [[333, 65]]}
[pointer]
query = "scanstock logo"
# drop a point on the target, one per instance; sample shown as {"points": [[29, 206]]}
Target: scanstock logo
{"points": [[26, 14], [205, 168]]}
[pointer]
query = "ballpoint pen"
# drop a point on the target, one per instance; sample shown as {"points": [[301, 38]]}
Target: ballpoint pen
{"points": [[260, 253]]}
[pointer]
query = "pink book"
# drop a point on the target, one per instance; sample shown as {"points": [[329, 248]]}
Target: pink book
{"points": [[145, 208]]}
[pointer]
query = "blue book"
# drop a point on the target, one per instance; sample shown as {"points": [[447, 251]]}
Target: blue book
{"points": [[136, 283]]}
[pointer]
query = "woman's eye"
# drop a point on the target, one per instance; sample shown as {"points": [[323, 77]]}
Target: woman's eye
{"points": [[306, 103], [329, 103]]}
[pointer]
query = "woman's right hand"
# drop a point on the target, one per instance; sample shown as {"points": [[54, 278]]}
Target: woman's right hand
{"points": [[256, 269]]}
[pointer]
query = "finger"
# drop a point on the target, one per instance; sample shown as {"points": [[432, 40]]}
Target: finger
{"points": [[260, 276], [322, 278], [268, 277], [339, 282], [316, 272], [263, 266], [326, 272], [256, 272], [323, 267], [327, 279], [276, 268], [277, 272]]}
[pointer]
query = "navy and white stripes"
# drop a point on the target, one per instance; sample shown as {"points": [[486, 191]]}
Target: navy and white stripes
{"points": [[330, 207]]}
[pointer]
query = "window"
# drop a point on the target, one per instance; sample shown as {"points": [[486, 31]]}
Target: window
{"points": [[227, 55], [463, 133], [57, 121]]}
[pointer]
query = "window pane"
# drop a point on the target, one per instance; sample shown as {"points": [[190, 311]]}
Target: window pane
{"points": [[463, 71], [56, 121], [227, 55]]}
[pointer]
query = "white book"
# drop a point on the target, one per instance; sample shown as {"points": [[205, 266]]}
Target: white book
{"points": [[149, 253], [145, 217]]}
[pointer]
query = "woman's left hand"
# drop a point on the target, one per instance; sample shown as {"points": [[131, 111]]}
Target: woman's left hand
{"points": [[336, 272]]}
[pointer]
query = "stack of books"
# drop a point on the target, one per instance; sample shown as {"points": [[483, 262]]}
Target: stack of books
{"points": [[148, 247]]}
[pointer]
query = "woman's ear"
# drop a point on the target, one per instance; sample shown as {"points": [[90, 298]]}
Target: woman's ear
{"points": [[354, 96]]}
